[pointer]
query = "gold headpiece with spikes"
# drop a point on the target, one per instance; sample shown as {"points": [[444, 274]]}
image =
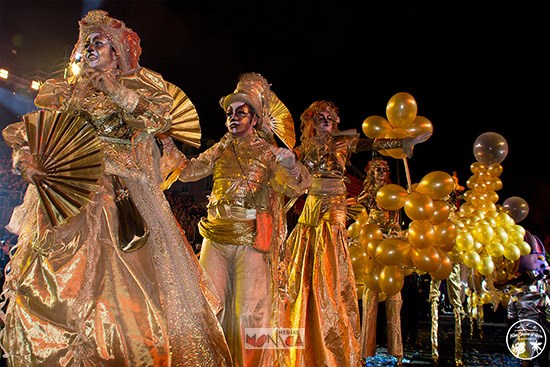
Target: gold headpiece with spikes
{"points": [[274, 117]]}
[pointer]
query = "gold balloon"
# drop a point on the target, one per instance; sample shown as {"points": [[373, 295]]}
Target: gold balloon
{"points": [[466, 209], [376, 127], [445, 233], [495, 169], [392, 251], [401, 109], [391, 280], [391, 197], [369, 231], [359, 259], [372, 245], [371, 281], [426, 259], [478, 167], [444, 269], [421, 234], [354, 230], [419, 206], [441, 212], [362, 217], [419, 126], [436, 184]]}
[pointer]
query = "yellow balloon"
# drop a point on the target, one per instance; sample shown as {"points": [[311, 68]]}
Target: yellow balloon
{"points": [[401, 109], [511, 252], [494, 249], [524, 248], [376, 127], [419, 206], [391, 280], [471, 259], [436, 184], [391, 197], [485, 266], [483, 232]]}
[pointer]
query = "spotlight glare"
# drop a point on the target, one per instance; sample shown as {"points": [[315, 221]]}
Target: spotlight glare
{"points": [[4, 73]]}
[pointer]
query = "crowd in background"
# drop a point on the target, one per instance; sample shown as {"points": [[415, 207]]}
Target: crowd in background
{"points": [[8, 179]]}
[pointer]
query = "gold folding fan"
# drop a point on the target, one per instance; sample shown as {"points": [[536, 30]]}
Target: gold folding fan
{"points": [[68, 150], [281, 122], [185, 120]]}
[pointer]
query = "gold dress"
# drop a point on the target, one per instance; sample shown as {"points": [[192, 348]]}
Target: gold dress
{"points": [[73, 297], [323, 299]]}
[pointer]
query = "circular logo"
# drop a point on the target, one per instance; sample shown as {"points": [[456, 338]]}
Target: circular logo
{"points": [[526, 339]]}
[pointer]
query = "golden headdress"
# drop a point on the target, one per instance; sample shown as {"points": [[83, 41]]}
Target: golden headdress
{"points": [[273, 116], [125, 41]]}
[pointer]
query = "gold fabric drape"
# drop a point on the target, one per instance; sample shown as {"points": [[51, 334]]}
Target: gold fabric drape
{"points": [[73, 297], [323, 299]]}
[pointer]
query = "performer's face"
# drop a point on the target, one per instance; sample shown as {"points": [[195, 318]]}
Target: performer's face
{"points": [[100, 55], [380, 172], [322, 122], [241, 119]]}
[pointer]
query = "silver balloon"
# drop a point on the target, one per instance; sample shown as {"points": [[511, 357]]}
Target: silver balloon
{"points": [[516, 207], [490, 148]]}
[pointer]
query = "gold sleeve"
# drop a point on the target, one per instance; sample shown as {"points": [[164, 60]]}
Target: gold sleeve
{"points": [[148, 104]]}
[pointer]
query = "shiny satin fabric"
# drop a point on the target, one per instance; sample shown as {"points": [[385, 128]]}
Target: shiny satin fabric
{"points": [[251, 284], [323, 299], [75, 299]]}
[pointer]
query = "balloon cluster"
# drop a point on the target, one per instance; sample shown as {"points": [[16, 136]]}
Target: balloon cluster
{"points": [[402, 122], [380, 262], [488, 237]]}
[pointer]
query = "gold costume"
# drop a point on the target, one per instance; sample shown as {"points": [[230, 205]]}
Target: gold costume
{"points": [[248, 184], [321, 282], [378, 175], [74, 298]]}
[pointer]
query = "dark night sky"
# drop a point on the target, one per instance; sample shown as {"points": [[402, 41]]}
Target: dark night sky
{"points": [[472, 66]]}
